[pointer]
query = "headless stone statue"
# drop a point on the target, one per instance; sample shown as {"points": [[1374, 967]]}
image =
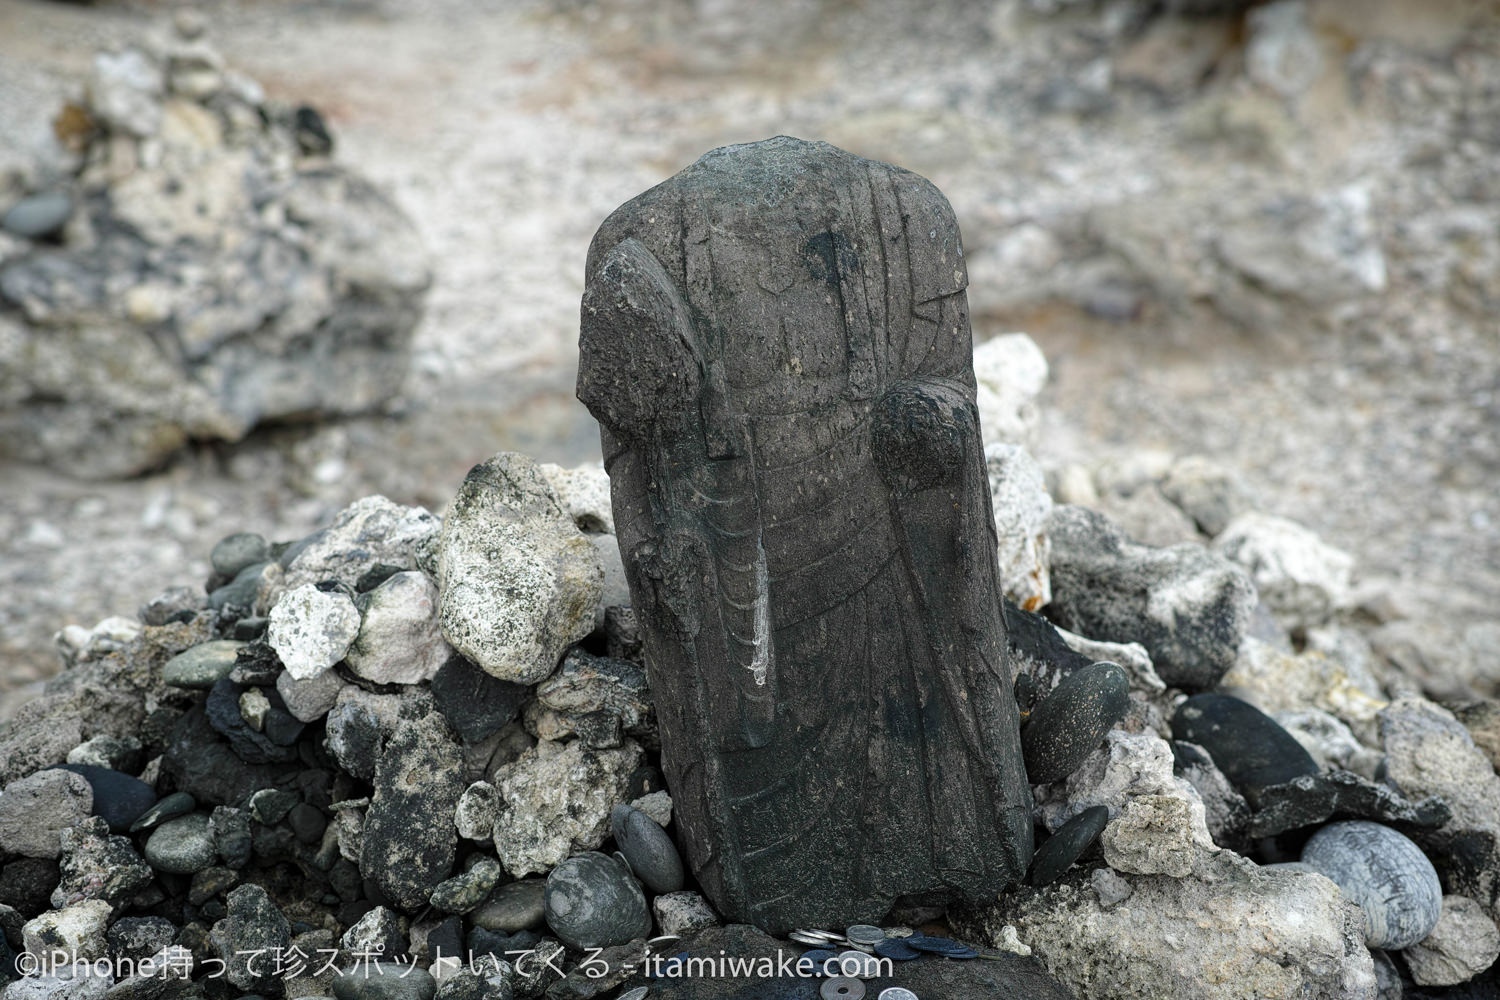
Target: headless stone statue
{"points": [[776, 345]]}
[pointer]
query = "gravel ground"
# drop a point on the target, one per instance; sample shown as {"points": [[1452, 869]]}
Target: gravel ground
{"points": [[1111, 169]]}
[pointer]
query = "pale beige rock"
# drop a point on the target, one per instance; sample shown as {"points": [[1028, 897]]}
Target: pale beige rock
{"points": [[1464, 943]]}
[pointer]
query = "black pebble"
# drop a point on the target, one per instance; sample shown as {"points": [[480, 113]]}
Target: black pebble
{"points": [[118, 797], [474, 703], [307, 822], [1067, 845], [1249, 746], [223, 710], [1071, 721]]}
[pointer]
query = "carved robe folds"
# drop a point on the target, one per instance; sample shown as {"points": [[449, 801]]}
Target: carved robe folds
{"points": [[776, 344]]}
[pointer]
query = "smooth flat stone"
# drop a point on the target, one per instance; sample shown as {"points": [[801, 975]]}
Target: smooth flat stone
{"points": [[202, 666], [593, 901], [174, 805], [182, 846], [118, 797], [1067, 845], [648, 850], [38, 215], [896, 949], [1071, 721], [1250, 747], [1386, 874]]}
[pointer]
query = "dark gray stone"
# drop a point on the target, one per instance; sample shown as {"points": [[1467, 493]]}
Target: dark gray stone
{"points": [[118, 798], [97, 864], [27, 884], [1337, 794], [1068, 844], [473, 702], [137, 938], [1071, 721], [199, 761], [202, 666], [36, 809], [384, 981], [223, 710], [182, 846], [1250, 747], [409, 841], [232, 839], [170, 807], [307, 822], [651, 854], [513, 907], [594, 902], [233, 553], [776, 343], [1189, 607], [463, 892], [1036, 649], [238, 595], [253, 924]]}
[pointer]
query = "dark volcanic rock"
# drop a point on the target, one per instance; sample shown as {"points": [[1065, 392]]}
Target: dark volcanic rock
{"points": [[594, 902], [231, 832], [474, 703], [1315, 798], [27, 884], [1189, 607], [223, 710], [409, 840], [385, 981], [1037, 650], [1071, 721], [252, 924], [96, 864], [1249, 746], [118, 798], [200, 762], [1068, 844]]}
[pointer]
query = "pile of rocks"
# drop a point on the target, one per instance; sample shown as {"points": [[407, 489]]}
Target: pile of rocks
{"points": [[397, 738], [433, 741], [195, 265]]}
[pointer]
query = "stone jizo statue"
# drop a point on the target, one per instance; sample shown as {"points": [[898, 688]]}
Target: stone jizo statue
{"points": [[776, 344]]}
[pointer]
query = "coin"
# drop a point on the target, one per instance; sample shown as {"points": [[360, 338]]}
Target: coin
{"points": [[804, 937], [936, 945], [817, 956], [892, 993], [866, 934], [842, 988], [640, 992], [858, 963], [897, 949]]}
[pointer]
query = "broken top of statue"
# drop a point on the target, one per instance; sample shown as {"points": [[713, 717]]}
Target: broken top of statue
{"points": [[776, 344]]}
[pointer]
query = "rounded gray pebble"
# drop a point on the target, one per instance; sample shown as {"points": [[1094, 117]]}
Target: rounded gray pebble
{"points": [[649, 851], [38, 215], [514, 906], [174, 805], [1386, 874], [384, 981], [1074, 719], [182, 846], [202, 666], [593, 902], [234, 552]]}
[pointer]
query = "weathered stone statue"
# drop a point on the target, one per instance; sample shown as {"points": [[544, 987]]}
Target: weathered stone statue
{"points": [[776, 344]]}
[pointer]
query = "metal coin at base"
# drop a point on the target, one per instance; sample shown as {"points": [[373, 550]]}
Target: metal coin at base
{"points": [[897, 949], [807, 937], [842, 988], [817, 956], [640, 992], [865, 934], [865, 966], [937, 945], [892, 993]]}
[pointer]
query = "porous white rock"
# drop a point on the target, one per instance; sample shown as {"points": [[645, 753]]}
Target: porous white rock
{"points": [[556, 802], [1009, 371], [1330, 742], [370, 532], [312, 629], [77, 930], [1276, 681], [1300, 577], [682, 913], [400, 640], [1128, 766], [474, 816], [1464, 943], [1226, 931], [1212, 495], [1018, 494], [1156, 835], [309, 700], [518, 581]]}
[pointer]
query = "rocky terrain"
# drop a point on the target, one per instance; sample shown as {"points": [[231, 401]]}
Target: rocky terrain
{"points": [[1264, 236]]}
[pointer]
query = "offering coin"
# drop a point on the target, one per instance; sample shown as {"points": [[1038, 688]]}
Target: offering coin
{"points": [[842, 988]]}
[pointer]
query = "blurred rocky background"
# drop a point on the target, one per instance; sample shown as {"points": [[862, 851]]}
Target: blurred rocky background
{"points": [[260, 259]]}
